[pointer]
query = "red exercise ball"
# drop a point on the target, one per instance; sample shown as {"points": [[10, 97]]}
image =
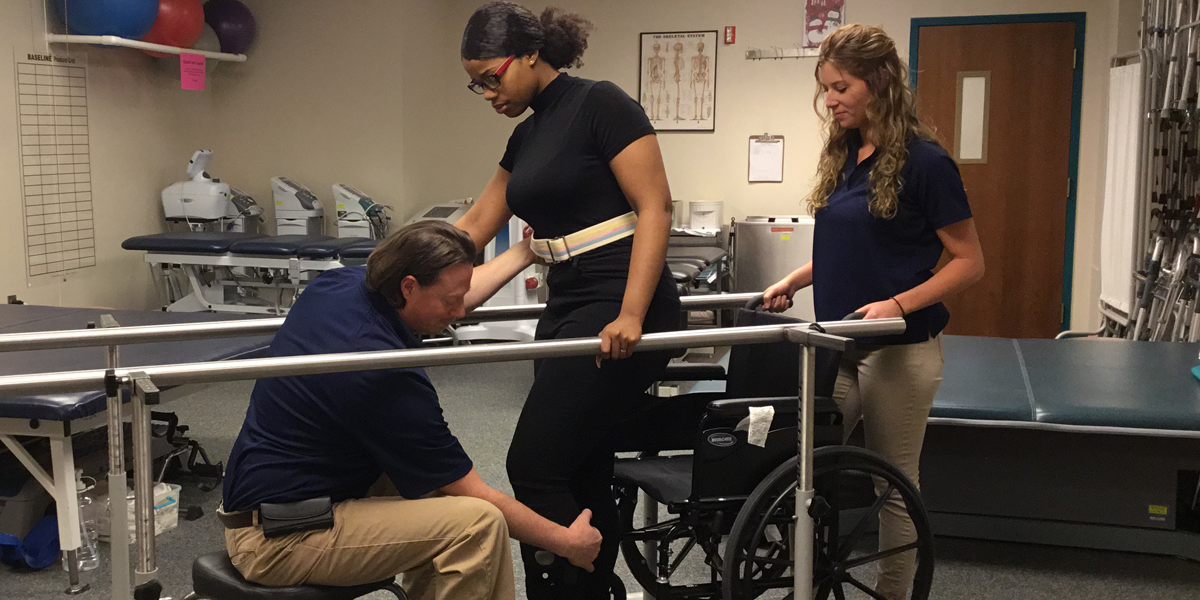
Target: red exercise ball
{"points": [[179, 23]]}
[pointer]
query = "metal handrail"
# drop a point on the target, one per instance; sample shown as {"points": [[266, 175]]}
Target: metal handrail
{"points": [[143, 334], [144, 382], [257, 368]]}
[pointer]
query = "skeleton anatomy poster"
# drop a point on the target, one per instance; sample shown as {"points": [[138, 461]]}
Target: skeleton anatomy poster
{"points": [[678, 77]]}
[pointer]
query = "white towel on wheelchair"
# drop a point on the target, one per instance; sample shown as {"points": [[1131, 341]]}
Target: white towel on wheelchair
{"points": [[757, 425]]}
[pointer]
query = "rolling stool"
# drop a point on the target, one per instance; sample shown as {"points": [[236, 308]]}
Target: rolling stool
{"points": [[215, 578]]}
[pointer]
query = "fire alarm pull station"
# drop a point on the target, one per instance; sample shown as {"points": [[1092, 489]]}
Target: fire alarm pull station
{"points": [[730, 34]]}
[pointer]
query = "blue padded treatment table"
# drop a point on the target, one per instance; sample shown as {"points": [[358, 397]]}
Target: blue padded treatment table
{"points": [[241, 272], [314, 247], [331, 248], [1082, 442], [189, 242], [278, 245], [69, 407], [358, 253], [58, 416]]}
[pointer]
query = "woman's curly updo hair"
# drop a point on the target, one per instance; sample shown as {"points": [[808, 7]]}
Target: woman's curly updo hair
{"points": [[503, 29], [866, 52]]}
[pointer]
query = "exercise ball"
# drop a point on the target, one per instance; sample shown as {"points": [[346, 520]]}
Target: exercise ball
{"points": [[169, 68], [233, 23], [179, 23], [129, 19]]}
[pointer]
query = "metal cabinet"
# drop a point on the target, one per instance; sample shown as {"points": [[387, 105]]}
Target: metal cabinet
{"points": [[764, 249]]}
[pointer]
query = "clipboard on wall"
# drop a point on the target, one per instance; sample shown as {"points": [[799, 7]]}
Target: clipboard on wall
{"points": [[765, 159]]}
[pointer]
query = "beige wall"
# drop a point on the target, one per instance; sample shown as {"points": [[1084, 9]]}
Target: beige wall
{"points": [[135, 110], [320, 100], [1128, 25], [371, 93], [335, 92], [776, 96]]}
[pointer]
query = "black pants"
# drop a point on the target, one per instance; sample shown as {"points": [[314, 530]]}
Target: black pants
{"points": [[561, 458]]}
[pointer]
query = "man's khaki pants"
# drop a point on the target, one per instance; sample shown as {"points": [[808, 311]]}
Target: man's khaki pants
{"points": [[891, 389], [447, 548]]}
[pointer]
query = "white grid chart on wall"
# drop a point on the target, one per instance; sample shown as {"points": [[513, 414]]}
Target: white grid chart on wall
{"points": [[55, 167]]}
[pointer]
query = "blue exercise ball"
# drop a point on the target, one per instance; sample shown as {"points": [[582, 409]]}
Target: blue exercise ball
{"points": [[130, 19]]}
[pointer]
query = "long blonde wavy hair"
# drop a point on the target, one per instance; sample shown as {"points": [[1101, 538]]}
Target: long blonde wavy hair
{"points": [[866, 52]]}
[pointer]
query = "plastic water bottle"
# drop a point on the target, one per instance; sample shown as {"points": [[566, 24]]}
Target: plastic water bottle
{"points": [[87, 555]]}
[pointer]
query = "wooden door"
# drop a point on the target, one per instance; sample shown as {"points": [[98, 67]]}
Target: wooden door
{"points": [[1019, 191]]}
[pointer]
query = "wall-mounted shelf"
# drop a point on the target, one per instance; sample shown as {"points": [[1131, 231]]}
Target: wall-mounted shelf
{"points": [[776, 52], [112, 40]]}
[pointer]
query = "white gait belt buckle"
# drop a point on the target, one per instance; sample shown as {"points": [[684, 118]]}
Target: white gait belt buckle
{"points": [[564, 248]]}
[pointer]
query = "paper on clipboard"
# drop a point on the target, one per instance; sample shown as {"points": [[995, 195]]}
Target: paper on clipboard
{"points": [[766, 159]]}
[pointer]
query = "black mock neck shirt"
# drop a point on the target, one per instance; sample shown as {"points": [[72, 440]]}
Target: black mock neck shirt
{"points": [[559, 157]]}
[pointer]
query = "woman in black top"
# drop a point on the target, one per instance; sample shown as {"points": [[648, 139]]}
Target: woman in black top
{"points": [[587, 155]]}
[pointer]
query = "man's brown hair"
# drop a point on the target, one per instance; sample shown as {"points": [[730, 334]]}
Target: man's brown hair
{"points": [[422, 250]]}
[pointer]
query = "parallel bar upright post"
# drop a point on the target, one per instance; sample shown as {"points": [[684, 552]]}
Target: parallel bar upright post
{"points": [[144, 394], [118, 520], [802, 542]]}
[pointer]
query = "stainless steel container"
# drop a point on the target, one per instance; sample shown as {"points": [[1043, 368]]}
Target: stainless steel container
{"points": [[764, 249]]}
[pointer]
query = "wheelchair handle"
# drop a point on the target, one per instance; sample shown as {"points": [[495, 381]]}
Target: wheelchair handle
{"points": [[756, 303]]}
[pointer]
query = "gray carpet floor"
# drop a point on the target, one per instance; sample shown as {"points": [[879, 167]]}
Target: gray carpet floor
{"points": [[482, 403]]}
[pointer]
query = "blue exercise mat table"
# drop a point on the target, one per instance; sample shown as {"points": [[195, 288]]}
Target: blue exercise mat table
{"points": [[1080, 442], [58, 416], [1091, 443]]}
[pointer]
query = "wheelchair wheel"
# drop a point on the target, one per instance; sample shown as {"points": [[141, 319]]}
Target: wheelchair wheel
{"points": [[758, 553]]}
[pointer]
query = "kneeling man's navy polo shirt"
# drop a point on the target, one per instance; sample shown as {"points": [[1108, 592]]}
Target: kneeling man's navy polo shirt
{"points": [[859, 258], [335, 434]]}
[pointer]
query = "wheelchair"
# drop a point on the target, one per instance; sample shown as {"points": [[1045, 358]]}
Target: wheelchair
{"points": [[731, 505]]}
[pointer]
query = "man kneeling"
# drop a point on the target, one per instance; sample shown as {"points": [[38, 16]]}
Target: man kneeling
{"points": [[347, 439]]}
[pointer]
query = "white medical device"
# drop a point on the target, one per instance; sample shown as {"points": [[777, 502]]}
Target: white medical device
{"points": [[297, 209], [359, 215], [198, 200], [449, 212]]}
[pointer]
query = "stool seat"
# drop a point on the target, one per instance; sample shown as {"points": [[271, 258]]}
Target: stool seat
{"points": [[215, 577]]}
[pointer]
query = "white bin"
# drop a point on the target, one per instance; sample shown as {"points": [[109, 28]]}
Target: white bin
{"points": [[706, 215], [166, 512]]}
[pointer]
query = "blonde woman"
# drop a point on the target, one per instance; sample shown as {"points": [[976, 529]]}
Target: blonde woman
{"points": [[888, 200]]}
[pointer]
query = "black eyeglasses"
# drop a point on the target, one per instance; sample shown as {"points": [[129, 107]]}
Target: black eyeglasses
{"points": [[490, 82]]}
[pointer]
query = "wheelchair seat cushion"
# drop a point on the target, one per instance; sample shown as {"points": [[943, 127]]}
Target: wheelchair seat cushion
{"points": [[666, 479], [277, 245], [189, 242], [213, 576]]}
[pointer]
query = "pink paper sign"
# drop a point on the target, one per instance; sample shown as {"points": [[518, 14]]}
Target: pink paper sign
{"points": [[191, 71]]}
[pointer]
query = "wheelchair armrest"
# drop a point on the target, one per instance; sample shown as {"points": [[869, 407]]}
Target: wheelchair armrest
{"points": [[738, 407], [694, 372]]}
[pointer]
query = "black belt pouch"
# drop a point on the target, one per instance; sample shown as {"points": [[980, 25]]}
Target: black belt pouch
{"points": [[278, 520]]}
